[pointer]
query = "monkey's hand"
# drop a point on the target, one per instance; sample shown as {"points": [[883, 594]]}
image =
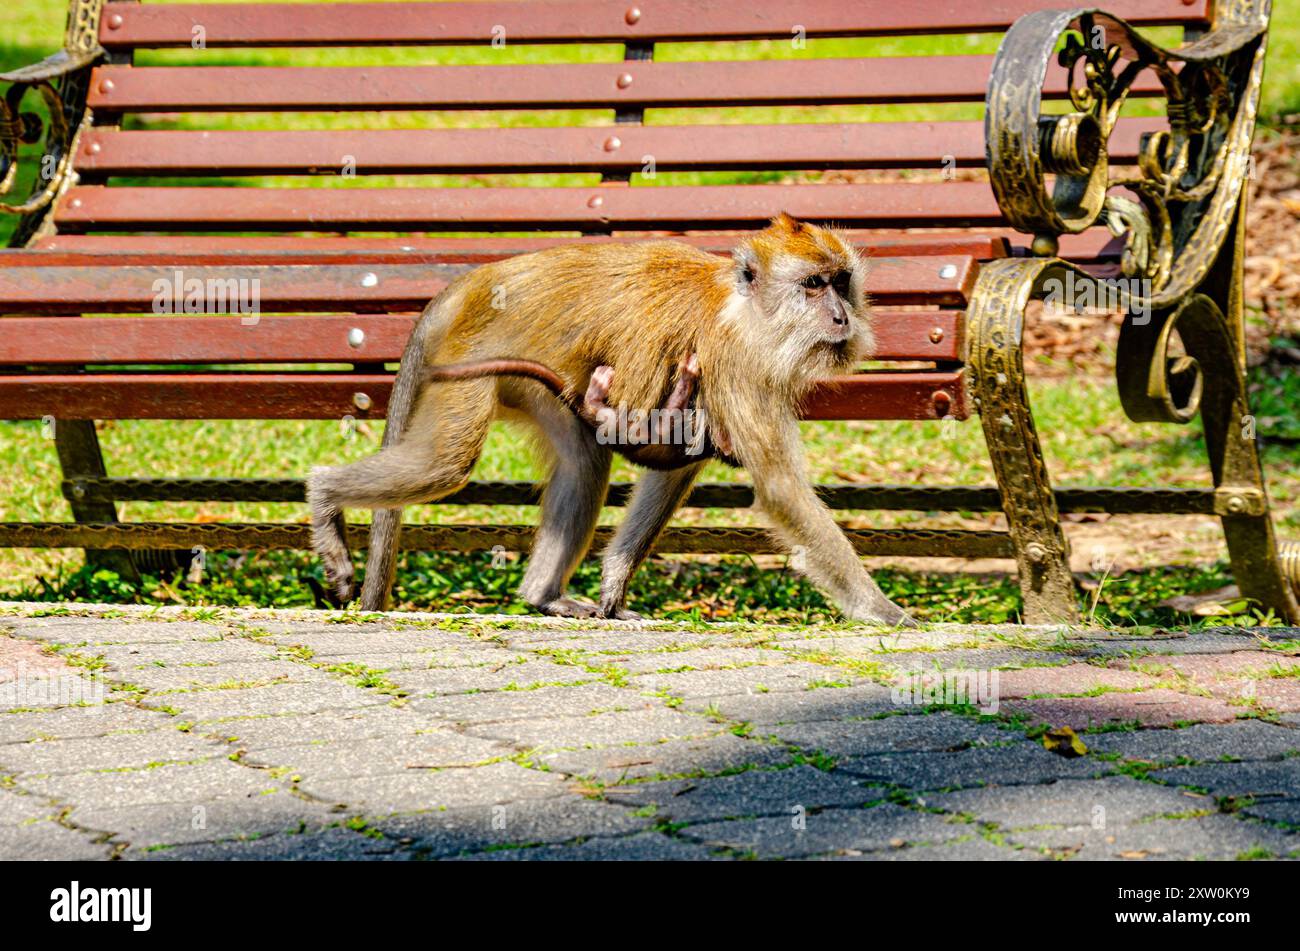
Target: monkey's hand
{"points": [[721, 440], [688, 376]]}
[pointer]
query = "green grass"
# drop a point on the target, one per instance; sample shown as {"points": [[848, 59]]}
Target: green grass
{"points": [[1086, 437]]}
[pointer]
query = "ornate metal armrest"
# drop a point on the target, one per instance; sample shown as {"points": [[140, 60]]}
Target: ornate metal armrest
{"points": [[26, 128], [1190, 177]]}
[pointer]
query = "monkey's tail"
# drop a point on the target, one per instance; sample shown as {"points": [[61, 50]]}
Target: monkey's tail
{"points": [[476, 369], [381, 561]]}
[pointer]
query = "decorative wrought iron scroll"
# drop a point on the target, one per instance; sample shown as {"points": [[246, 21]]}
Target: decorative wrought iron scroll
{"points": [[59, 81], [1189, 177]]}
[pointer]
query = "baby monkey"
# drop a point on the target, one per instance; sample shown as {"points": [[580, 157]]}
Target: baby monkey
{"points": [[520, 339], [655, 445]]}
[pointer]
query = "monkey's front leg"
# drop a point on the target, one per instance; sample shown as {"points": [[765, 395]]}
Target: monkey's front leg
{"points": [[784, 491], [657, 495]]}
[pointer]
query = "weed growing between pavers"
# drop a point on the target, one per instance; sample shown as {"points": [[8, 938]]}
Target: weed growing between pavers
{"points": [[728, 588]]}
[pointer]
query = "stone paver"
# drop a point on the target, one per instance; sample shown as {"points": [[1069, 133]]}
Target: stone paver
{"points": [[1070, 680], [250, 735], [936, 733], [1242, 740], [525, 823], [1106, 802], [1265, 780], [1207, 666], [611, 765], [766, 707], [754, 793], [1196, 838], [1022, 762], [875, 829], [1151, 708]]}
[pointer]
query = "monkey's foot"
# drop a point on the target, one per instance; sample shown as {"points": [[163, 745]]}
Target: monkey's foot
{"points": [[568, 607], [891, 615], [619, 614], [340, 591]]}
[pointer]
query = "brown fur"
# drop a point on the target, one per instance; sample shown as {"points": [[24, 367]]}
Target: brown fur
{"points": [[762, 334]]}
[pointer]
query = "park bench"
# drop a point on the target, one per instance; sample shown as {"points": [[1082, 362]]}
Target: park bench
{"points": [[341, 272]]}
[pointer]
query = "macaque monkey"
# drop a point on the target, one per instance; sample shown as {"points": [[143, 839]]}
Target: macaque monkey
{"points": [[757, 330]]}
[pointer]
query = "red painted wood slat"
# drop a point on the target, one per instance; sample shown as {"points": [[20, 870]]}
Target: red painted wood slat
{"points": [[359, 24], [370, 288], [319, 338], [90, 249], [907, 204], [642, 84], [883, 395], [626, 148]]}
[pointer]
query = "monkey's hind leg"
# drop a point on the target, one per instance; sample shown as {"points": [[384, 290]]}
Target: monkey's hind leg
{"points": [[570, 507], [434, 458], [386, 526]]}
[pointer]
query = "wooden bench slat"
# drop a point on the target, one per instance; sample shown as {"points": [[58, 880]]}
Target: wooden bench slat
{"points": [[365, 288], [625, 148], [96, 207], [319, 338], [251, 395], [90, 249], [864, 80], [357, 24], [216, 249]]}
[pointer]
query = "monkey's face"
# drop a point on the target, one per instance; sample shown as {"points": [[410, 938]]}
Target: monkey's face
{"points": [[806, 284]]}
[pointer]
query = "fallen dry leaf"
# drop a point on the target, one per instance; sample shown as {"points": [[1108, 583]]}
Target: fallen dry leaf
{"points": [[1063, 741]]}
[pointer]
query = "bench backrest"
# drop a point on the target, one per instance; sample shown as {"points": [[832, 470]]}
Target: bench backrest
{"points": [[669, 116], [594, 125]]}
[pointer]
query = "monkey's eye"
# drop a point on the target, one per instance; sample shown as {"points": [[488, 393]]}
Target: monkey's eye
{"points": [[813, 282], [842, 281]]}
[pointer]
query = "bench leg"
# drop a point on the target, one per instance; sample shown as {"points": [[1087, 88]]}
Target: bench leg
{"points": [[77, 444], [1241, 502], [1230, 439], [995, 322], [1158, 386]]}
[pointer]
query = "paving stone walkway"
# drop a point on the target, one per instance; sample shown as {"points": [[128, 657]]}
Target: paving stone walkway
{"points": [[166, 734]]}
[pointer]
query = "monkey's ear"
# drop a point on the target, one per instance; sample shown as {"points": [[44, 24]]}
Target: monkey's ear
{"points": [[746, 268], [787, 222]]}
